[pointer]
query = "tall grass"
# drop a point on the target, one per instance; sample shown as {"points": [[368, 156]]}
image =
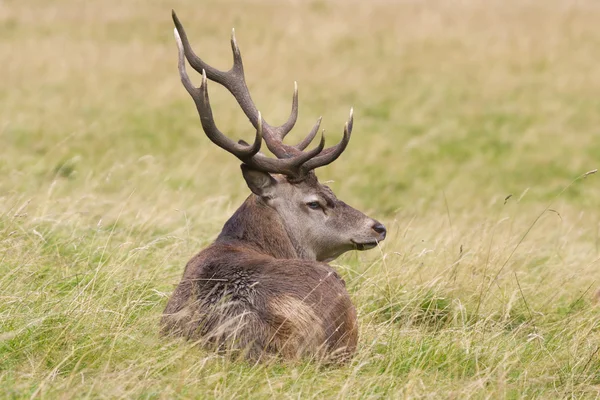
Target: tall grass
{"points": [[476, 123]]}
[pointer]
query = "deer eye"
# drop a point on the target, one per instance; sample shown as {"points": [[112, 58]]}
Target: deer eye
{"points": [[313, 205]]}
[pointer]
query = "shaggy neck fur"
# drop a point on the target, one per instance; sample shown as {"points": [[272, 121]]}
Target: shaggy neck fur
{"points": [[259, 226]]}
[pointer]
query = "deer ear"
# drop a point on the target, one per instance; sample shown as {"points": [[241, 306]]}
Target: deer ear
{"points": [[260, 183]]}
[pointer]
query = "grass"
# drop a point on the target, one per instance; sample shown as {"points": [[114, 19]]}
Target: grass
{"points": [[475, 124]]}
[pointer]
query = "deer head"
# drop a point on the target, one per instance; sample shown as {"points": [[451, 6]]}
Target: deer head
{"points": [[319, 226]]}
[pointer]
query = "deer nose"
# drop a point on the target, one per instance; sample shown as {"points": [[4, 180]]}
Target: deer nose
{"points": [[379, 228]]}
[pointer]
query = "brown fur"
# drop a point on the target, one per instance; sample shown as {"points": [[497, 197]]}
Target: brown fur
{"points": [[249, 291]]}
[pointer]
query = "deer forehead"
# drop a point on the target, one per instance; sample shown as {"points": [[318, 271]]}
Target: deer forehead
{"points": [[311, 190]]}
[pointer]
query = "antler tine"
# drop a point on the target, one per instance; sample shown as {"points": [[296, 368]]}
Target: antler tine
{"points": [[233, 80], [311, 135], [185, 78], [238, 65], [200, 96], [195, 61], [274, 134], [331, 154], [215, 135], [284, 129]]}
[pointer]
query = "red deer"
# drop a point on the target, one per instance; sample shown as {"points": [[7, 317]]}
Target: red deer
{"points": [[263, 287]]}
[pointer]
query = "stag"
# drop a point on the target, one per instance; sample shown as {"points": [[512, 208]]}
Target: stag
{"points": [[263, 286]]}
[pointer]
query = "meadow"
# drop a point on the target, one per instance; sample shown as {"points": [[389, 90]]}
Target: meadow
{"points": [[476, 137]]}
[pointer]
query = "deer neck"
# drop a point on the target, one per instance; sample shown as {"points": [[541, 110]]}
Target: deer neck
{"points": [[260, 227]]}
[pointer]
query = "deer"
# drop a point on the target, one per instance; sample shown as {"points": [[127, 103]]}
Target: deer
{"points": [[264, 286]]}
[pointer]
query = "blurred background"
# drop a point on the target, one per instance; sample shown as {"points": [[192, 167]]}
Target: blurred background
{"points": [[475, 122], [470, 98]]}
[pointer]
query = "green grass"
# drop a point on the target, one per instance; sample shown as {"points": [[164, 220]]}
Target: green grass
{"points": [[108, 186]]}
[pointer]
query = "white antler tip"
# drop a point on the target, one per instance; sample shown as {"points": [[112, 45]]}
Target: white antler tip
{"points": [[177, 38], [234, 45]]}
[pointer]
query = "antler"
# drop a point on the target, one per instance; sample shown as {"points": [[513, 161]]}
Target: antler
{"points": [[291, 160]]}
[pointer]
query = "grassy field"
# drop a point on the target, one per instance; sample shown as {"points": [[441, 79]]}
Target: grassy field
{"points": [[475, 125]]}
